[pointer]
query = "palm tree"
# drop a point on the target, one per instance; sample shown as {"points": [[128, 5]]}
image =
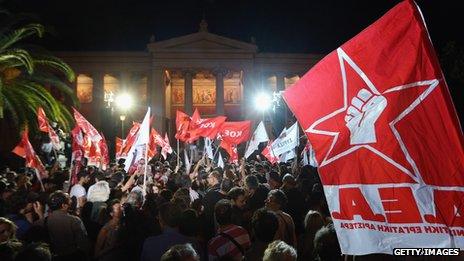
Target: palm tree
{"points": [[24, 75]]}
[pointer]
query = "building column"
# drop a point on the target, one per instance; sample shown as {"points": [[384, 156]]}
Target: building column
{"points": [[281, 112], [98, 95], [188, 91], [157, 97], [219, 73], [249, 92]]}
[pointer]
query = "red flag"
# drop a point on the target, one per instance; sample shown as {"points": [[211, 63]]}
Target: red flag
{"points": [[166, 148], [378, 112], [152, 144], [77, 154], [209, 127], [267, 152], [44, 126], [235, 132], [86, 127], [42, 119], [231, 149], [105, 157], [119, 144], [130, 139], [182, 126], [25, 150]]}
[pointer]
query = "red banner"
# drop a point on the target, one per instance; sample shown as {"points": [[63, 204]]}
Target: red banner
{"points": [[25, 150], [387, 139], [235, 132], [182, 126]]}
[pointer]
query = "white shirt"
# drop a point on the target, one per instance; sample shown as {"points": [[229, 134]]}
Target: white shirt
{"points": [[77, 191]]}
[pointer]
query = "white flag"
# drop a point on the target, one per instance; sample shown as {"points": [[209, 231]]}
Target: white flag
{"points": [[188, 164], [312, 156], [209, 148], [260, 135], [287, 156], [220, 161], [138, 149], [287, 140]]}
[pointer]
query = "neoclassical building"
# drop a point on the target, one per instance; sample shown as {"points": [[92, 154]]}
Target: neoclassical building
{"points": [[215, 74]]}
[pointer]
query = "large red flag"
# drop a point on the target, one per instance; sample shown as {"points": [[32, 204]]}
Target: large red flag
{"points": [[387, 139], [86, 127], [25, 150]]}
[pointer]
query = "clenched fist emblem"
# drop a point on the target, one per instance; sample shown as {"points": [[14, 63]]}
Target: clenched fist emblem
{"points": [[361, 116]]}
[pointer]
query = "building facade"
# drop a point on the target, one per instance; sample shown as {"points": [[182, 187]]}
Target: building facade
{"points": [[217, 75]]}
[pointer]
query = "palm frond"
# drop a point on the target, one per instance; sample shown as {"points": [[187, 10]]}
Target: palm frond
{"points": [[56, 63], [26, 31], [19, 57]]}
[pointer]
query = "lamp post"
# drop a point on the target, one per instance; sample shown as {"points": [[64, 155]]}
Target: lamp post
{"points": [[122, 117], [124, 103]]}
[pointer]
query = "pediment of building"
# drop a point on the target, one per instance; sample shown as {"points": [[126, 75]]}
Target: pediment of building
{"points": [[201, 42]]}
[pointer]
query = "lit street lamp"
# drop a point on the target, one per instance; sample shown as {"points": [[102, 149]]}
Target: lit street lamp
{"points": [[124, 102]]}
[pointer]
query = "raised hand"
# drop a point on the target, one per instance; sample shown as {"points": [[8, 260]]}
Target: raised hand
{"points": [[361, 116]]}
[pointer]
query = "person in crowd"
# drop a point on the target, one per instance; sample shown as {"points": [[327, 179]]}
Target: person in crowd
{"points": [[34, 251], [257, 193], [212, 196], [264, 224], [312, 223], [7, 230], [154, 247], [279, 251], [98, 194], [67, 234], [326, 246], [183, 252], [106, 247], [237, 197], [274, 180], [9, 250], [231, 241], [295, 204], [276, 201], [78, 190]]}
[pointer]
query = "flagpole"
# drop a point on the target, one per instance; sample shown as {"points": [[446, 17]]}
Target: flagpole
{"points": [[146, 167], [178, 153]]}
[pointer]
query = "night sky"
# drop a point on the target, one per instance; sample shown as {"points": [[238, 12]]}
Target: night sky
{"points": [[278, 26]]}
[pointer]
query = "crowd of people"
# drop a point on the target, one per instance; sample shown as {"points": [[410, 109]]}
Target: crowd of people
{"points": [[252, 210]]}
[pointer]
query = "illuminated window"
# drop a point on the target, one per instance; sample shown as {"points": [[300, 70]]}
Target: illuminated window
{"points": [[271, 83], [84, 88], [110, 84], [289, 81]]}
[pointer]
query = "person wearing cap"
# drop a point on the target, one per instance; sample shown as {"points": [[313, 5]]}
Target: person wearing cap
{"points": [[78, 190]]}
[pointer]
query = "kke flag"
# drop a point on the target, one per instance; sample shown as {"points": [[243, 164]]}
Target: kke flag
{"points": [[182, 126], [235, 132], [388, 143]]}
